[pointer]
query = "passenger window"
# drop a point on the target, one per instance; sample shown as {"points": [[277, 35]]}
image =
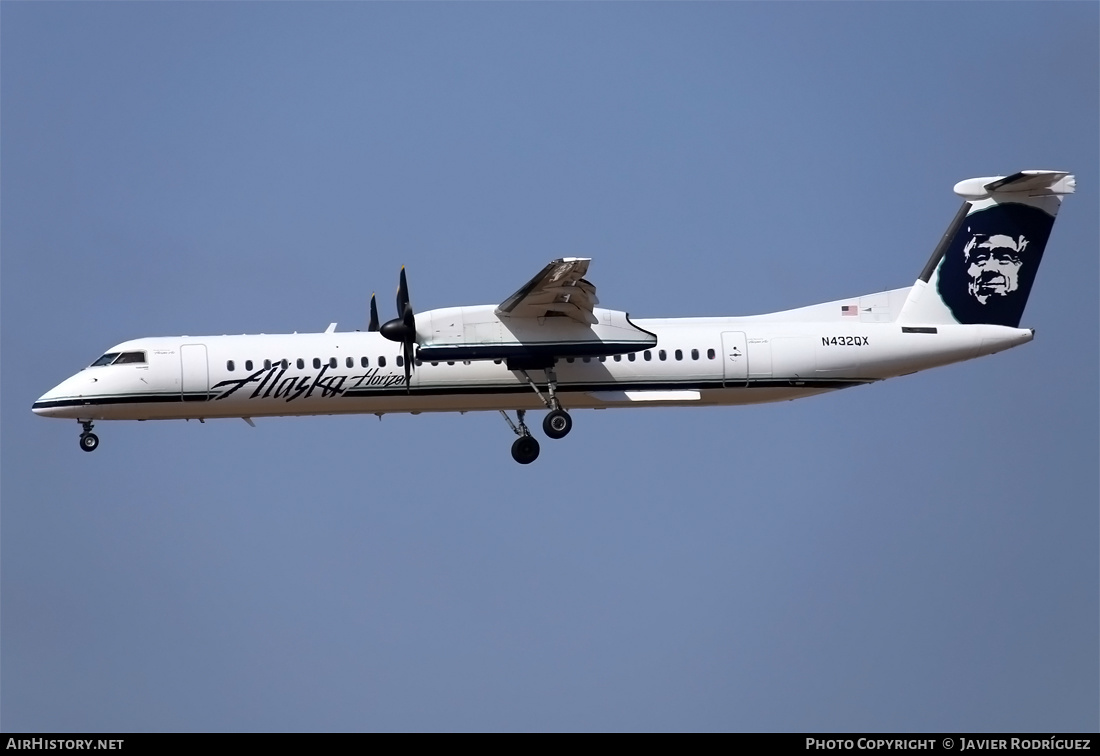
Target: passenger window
{"points": [[710, 354], [286, 364], [401, 361], [648, 355], [631, 356], [349, 362], [679, 354], [301, 363], [381, 362], [332, 362], [435, 363], [364, 362], [248, 364], [570, 360], [133, 358], [316, 363], [662, 356], [694, 354], [587, 359], [449, 362], [229, 366], [618, 358], [267, 364], [497, 362], [602, 358], [106, 359]]}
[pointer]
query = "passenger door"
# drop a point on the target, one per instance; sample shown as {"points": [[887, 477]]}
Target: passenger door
{"points": [[194, 373], [735, 359]]}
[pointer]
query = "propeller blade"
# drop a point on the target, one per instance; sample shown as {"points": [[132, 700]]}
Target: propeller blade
{"points": [[402, 329], [408, 354], [373, 325], [402, 294]]}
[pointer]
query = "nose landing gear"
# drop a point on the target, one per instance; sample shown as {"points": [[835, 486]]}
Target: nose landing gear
{"points": [[89, 441]]}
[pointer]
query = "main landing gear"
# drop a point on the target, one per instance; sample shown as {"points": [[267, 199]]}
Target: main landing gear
{"points": [[556, 424], [89, 441], [525, 449]]}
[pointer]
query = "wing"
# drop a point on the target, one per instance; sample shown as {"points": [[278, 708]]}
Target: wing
{"points": [[558, 290]]}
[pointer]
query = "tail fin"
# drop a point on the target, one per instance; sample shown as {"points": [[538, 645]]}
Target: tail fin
{"points": [[983, 268]]}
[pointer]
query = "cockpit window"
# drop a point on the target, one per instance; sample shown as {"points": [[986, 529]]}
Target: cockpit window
{"points": [[120, 358]]}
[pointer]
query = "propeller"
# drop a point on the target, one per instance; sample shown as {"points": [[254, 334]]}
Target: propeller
{"points": [[373, 325], [402, 329]]}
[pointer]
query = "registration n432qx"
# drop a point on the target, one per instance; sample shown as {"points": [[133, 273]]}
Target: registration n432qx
{"points": [[548, 346]]}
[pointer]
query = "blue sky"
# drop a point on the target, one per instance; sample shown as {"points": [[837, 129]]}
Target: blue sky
{"points": [[919, 554]]}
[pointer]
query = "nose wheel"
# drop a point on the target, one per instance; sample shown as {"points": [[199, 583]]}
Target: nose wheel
{"points": [[89, 441]]}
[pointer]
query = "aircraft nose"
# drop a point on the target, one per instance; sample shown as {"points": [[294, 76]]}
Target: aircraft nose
{"points": [[53, 403], [46, 404]]}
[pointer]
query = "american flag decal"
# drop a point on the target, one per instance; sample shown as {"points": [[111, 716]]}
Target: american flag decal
{"points": [[849, 310]]}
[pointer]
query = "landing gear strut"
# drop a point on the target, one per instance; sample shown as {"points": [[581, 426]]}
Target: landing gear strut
{"points": [[557, 422], [89, 441], [525, 449]]}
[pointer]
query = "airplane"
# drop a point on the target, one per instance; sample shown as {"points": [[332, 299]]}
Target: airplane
{"points": [[549, 345]]}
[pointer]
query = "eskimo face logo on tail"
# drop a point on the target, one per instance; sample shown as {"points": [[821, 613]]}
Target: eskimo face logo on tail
{"points": [[987, 273], [994, 265]]}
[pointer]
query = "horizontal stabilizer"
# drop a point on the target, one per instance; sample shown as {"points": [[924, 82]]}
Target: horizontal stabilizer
{"points": [[1028, 183]]}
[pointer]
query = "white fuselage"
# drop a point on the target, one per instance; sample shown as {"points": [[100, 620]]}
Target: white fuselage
{"points": [[548, 345], [695, 362]]}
